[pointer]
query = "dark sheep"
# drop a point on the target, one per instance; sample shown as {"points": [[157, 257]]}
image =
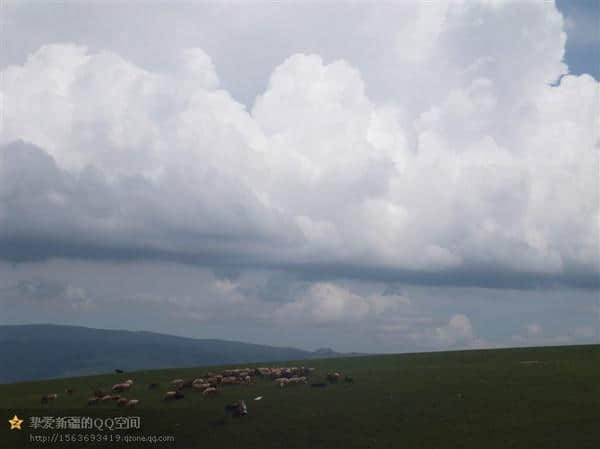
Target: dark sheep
{"points": [[49, 397], [171, 395], [99, 393], [333, 377], [237, 409]]}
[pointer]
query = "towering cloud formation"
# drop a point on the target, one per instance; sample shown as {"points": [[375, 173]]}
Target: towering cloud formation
{"points": [[482, 157]]}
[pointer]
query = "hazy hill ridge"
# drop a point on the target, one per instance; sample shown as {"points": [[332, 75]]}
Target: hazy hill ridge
{"points": [[31, 352]]}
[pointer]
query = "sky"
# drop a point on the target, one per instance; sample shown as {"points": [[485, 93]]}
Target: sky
{"points": [[372, 177]]}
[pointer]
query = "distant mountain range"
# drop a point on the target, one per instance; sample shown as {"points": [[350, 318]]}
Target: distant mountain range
{"points": [[42, 351]]}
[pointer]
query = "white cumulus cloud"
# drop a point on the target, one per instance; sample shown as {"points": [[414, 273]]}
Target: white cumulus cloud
{"points": [[477, 162]]}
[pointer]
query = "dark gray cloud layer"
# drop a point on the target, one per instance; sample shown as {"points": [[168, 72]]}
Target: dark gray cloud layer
{"points": [[36, 229], [267, 306], [22, 249]]}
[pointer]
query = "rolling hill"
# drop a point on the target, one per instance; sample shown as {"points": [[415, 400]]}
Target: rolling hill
{"points": [[43, 351]]}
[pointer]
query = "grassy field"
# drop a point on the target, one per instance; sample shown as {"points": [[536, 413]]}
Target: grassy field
{"points": [[511, 398]]}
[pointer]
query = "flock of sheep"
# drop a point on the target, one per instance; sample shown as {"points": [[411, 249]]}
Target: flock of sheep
{"points": [[209, 385]]}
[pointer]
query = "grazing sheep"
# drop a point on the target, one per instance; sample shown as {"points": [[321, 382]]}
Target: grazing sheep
{"points": [[229, 380], [278, 372], [198, 381], [177, 383], [122, 402], [108, 397], [348, 379], [187, 383], [69, 391], [263, 371], [237, 409], [132, 403], [297, 380], [121, 387], [282, 381], [209, 392], [333, 377], [99, 393], [49, 397], [201, 386], [170, 395]]}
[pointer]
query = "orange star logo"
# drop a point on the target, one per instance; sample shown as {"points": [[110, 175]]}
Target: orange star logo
{"points": [[15, 423]]}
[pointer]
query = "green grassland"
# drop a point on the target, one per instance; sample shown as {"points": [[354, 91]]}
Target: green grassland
{"points": [[510, 398]]}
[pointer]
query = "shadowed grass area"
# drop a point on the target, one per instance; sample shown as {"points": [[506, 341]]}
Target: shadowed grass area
{"points": [[509, 398]]}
